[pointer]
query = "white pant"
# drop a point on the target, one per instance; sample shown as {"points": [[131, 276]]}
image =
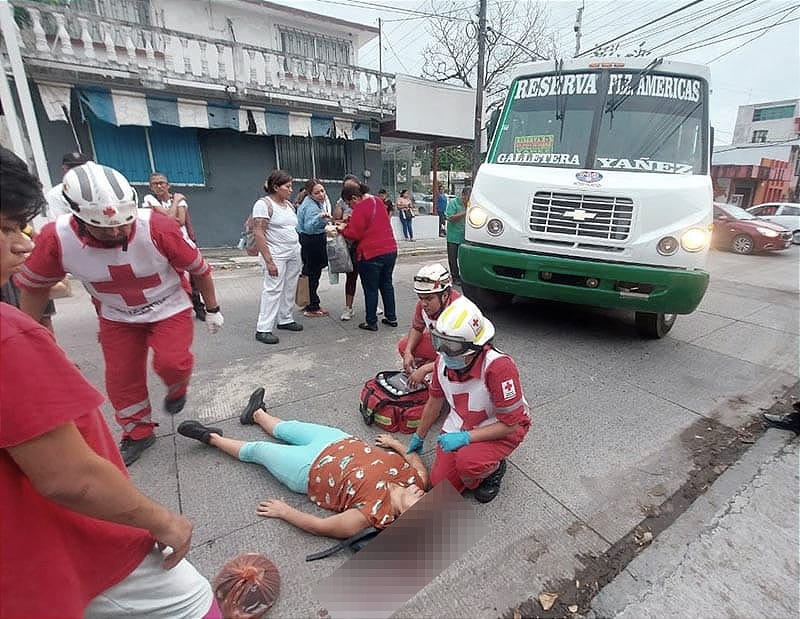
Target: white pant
{"points": [[277, 295], [151, 592]]}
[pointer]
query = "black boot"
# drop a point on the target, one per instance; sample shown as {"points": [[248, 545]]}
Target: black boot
{"points": [[490, 486]]}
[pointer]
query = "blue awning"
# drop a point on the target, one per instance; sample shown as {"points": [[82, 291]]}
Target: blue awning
{"points": [[122, 108]]}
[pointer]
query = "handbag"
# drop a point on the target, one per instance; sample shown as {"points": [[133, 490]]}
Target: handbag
{"points": [[302, 295], [338, 255]]}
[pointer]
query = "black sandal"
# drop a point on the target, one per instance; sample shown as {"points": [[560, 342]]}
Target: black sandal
{"points": [[368, 327]]}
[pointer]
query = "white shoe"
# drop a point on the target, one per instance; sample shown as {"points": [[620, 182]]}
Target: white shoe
{"points": [[379, 311], [348, 313]]}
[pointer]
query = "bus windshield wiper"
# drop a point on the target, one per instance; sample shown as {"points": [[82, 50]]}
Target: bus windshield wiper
{"points": [[616, 101], [561, 97]]}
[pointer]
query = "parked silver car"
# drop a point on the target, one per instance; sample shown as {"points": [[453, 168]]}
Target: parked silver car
{"points": [[786, 214]]}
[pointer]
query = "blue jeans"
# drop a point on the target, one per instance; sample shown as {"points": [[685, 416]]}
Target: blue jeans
{"points": [[290, 464], [376, 274], [408, 231]]}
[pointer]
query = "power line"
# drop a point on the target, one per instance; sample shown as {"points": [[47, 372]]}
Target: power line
{"points": [[708, 41], [753, 39], [653, 21], [696, 28]]}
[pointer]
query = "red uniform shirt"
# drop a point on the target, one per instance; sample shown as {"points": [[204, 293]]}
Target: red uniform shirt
{"points": [[422, 321], [53, 561], [46, 264], [349, 474], [490, 391]]}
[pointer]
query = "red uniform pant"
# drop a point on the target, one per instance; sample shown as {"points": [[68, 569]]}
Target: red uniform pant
{"points": [[423, 352], [125, 348], [469, 465]]}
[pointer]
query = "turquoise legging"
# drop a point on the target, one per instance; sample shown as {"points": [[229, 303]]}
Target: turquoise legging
{"points": [[290, 464]]}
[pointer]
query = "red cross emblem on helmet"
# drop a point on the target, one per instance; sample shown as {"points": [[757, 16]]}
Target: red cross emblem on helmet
{"points": [[109, 211], [476, 324]]}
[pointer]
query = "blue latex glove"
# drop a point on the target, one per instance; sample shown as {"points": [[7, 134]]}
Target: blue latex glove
{"points": [[451, 441], [415, 444]]}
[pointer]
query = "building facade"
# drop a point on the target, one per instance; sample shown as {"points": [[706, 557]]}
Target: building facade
{"points": [[763, 163], [213, 94]]}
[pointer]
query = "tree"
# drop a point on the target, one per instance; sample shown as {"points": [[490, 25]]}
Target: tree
{"points": [[517, 32]]}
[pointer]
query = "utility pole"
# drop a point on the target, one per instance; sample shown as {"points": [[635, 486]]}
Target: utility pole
{"points": [[476, 148], [577, 29], [380, 66]]}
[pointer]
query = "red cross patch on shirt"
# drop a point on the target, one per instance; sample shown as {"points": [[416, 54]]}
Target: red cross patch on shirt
{"points": [[509, 390]]}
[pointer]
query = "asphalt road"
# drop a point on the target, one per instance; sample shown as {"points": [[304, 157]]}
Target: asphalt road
{"points": [[611, 416]]}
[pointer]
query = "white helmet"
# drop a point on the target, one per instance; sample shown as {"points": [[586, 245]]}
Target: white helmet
{"points": [[432, 278], [461, 328], [100, 196]]}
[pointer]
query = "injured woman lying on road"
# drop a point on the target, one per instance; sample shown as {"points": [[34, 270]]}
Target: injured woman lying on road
{"points": [[367, 486]]}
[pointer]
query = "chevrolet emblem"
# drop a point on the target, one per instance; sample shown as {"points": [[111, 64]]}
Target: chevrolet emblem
{"points": [[580, 215]]}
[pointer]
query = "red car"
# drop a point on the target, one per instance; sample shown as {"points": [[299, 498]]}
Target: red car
{"points": [[744, 233]]}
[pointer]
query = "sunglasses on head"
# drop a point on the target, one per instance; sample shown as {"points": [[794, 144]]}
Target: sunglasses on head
{"points": [[452, 347]]}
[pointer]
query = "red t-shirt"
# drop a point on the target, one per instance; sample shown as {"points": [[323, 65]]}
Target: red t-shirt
{"points": [[349, 474], [370, 227], [53, 561]]}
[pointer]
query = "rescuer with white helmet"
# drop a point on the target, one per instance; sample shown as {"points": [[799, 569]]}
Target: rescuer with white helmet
{"points": [[434, 288], [132, 263], [488, 415]]}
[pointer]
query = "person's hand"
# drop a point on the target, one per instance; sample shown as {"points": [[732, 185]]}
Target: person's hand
{"points": [[450, 441], [273, 508], [214, 322], [176, 533], [389, 442], [417, 377], [408, 363], [272, 269], [416, 444]]}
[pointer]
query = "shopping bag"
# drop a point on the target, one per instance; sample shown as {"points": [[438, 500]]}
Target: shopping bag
{"points": [[302, 296], [338, 255]]}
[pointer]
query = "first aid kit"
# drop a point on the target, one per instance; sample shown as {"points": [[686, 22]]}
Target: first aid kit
{"points": [[390, 403]]}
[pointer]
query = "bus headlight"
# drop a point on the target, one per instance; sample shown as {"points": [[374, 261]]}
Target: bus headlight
{"points": [[494, 227], [667, 246], [694, 239], [767, 232], [477, 216]]}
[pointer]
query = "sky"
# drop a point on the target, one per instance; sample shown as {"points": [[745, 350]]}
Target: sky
{"points": [[751, 46]]}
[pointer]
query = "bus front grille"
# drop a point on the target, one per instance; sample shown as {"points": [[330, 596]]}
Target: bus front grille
{"points": [[582, 215]]}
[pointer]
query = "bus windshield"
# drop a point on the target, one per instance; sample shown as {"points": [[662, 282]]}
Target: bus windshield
{"points": [[605, 120]]}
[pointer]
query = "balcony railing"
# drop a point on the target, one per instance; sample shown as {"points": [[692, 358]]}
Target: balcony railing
{"points": [[58, 37]]}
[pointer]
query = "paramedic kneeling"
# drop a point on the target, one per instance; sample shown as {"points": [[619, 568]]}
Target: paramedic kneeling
{"points": [[434, 289], [488, 417]]}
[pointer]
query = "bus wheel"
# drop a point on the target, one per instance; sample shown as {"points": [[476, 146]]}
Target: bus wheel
{"points": [[654, 326], [486, 299]]}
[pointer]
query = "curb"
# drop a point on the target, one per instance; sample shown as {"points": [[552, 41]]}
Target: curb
{"points": [[248, 262]]}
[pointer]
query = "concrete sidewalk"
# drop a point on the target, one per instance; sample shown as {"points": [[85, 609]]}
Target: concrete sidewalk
{"points": [[733, 553], [234, 258]]}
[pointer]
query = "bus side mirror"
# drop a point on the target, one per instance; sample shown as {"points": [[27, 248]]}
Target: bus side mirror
{"points": [[491, 126]]}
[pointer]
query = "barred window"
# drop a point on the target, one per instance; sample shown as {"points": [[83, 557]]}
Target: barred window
{"points": [[316, 46], [324, 158]]}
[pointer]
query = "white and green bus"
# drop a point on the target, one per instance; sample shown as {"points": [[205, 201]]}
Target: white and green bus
{"points": [[596, 190]]}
